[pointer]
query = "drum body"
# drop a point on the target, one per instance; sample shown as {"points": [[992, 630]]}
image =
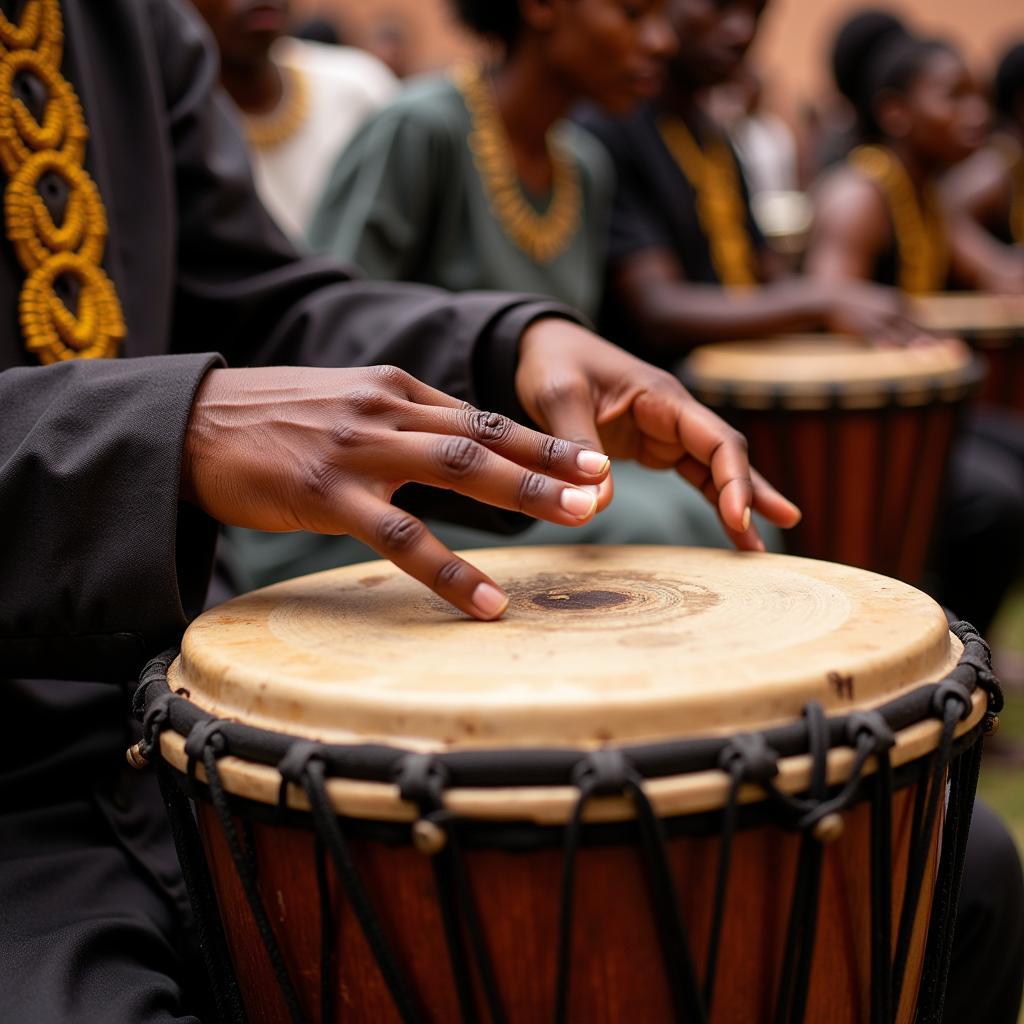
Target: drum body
{"points": [[670, 785], [859, 438], [991, 324]]}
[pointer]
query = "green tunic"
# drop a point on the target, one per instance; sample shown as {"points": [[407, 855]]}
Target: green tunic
{"points": [[405, 203]]}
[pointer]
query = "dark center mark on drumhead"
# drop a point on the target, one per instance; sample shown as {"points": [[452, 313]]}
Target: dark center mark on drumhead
{"points": [[576, 600]]}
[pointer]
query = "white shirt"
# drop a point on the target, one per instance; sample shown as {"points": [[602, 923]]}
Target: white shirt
{"points": [[344, 86]]}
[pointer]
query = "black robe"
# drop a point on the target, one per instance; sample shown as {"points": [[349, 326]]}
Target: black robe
{"points": [[101, 566]]}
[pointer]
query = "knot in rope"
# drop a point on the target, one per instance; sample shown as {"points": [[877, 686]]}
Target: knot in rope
{"points": [[604, 773], [295, 765], [422, 780], [948, 694], [872, 728], [205, 735], [749, 758]]}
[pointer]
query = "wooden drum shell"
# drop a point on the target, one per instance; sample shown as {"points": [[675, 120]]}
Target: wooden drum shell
{"points": [[993, 325], [867, 466], [665, 656], [617, 973]]}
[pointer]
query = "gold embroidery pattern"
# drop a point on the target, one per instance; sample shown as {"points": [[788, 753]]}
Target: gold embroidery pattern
{"points": [[542, 236], [32, 152], [921, 240], [721, 211], [264, 131]]}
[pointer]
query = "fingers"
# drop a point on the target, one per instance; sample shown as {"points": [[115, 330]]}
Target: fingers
{"points": [[460, 464], [576, 461], [405, 540], [566, 409]]}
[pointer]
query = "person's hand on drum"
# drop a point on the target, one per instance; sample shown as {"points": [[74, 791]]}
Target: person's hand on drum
{"points": [[869, 311], [576, 385], [290, 448]]}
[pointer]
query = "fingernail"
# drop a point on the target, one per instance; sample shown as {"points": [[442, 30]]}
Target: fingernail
{"points": [[594, 463], [577, 502], [746, 519], [489, 600]]}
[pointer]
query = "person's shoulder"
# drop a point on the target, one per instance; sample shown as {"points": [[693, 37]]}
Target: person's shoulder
{"points": [[428, 108], [846, 199], [617, 134]]}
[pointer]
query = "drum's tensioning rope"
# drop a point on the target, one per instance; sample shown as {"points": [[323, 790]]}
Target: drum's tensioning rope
{"points": [[751, 759]]}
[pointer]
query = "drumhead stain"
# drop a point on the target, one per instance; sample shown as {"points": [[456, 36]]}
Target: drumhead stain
{"points": [[562, 601]]}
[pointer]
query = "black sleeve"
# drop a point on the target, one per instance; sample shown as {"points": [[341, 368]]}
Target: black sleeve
{"points": [[90, 455]]}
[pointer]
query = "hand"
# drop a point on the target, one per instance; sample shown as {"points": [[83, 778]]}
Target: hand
{"points": [[579, 386], [869, 311], [289, 448]]}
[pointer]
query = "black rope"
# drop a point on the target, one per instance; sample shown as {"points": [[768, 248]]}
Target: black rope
{"points": [[802, 927], [421, 780], [952, 701], [220, 972], [327, 934], [328, 828], [747, 759], [245, 866]]}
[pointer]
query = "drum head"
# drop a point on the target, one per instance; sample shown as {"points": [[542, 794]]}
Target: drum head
{"points": [[820, 371], [599, 644], [970, 314]]}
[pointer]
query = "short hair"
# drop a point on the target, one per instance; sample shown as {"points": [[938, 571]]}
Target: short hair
{"points": [[1009, 81], [498, 18]]}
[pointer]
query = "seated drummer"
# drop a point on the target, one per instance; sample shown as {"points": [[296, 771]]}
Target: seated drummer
{"points": [[124, 439], [986, 191], [687, 263]]}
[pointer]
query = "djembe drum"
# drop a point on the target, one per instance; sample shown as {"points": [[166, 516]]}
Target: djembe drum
{"points": [[670, 784], [858, 437], [991, 324]]}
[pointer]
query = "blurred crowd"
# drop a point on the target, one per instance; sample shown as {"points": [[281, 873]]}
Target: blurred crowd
{"points": [[617, 155]]}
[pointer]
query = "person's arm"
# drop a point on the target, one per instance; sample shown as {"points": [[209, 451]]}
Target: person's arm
{"points": [[673, 314], [100, 562], [851, 229], [977, 195]]}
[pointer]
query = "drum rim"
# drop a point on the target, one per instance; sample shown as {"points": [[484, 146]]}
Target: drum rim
{"points": [[682, 777], [834, 394]]}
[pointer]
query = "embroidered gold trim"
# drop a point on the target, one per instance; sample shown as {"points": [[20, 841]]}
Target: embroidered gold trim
{"points": [[542, 236], [721, 211], [31, 152], [921, 239], [264, 131]]}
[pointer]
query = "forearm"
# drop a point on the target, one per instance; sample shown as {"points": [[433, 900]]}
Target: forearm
{"points": [[100, 564], [676, 316]]}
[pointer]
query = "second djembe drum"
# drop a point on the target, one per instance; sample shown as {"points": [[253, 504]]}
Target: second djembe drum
{"points": [[858, 437], [994, 326], [670, 785]]}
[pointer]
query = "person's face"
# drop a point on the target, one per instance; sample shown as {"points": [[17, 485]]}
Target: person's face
{"points": [[943, 115], [244, 29], [613, 52], [714, 37]]}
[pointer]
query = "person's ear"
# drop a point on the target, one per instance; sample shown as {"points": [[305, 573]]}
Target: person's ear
{"points": [[539, 15], [893, 115]]}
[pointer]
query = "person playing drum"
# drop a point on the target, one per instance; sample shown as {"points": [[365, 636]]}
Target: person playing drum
{"points": [[135, 241], [986, 191]]}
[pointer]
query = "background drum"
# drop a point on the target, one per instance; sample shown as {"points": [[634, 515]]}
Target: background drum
{"points": [[668, 778], [858, 437], [992, 324]]}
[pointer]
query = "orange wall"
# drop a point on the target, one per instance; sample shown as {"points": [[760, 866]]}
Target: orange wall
{"points": [[792, 49]]}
